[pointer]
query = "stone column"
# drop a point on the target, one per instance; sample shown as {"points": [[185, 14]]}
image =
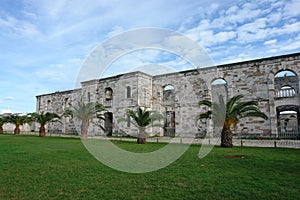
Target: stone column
{"points": [[272, 106]]}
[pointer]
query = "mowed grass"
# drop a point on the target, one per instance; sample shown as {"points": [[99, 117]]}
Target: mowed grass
{"points": [[61, 168]]}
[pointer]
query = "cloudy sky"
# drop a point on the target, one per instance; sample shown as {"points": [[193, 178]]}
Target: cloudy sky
{"points": [[44, 42]]}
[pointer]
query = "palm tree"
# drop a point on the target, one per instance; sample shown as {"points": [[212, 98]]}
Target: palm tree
{"points": [[232, 112], [18, 120], [3, 120], [43, 119], [142, 119], [84, 112]]}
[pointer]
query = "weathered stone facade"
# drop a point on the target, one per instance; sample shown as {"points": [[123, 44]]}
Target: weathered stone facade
{"points": [[176, 96]]}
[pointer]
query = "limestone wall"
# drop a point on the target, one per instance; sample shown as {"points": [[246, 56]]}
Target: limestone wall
{"points": [[254, 79]]}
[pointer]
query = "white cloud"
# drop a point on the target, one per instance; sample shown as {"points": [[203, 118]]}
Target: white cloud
{"points": [[253, 31], [19, 28], [209, 37], [232, 10], [224, 36], [9, 98], [155, 69], [54, 75], [249, 30], [148, 61], [6, 111], [291, 44], [274, 18], [290, 28], [60, 73], [292, 8], [237, 14], [81, 18], [270, 42], [115, 31]]}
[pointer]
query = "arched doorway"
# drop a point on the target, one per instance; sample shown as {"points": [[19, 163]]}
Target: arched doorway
{"points": [[108, 125], [288, 121], [169, 104], [286, 85]]}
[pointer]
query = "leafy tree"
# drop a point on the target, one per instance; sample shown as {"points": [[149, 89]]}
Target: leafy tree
{"points": [[231, 112], [142, 119], [43, 118], [3, 120], [18, 120], [84, 112]]}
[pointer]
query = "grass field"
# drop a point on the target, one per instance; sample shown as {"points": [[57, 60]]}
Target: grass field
{"points": [[61, 168]]}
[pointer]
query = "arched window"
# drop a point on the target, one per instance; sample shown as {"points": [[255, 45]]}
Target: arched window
{"points": [[219, 81], [218, 87], [285, 73], [168, 93], [128, 92], [286, 84], [168, 87], [48, 104], [65, 103], [108, 94]]}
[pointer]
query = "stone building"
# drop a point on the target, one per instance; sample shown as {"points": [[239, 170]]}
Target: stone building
{"points": [[273, 82]]}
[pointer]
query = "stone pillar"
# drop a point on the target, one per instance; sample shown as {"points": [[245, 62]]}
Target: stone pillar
{"points": [[272, 106]]}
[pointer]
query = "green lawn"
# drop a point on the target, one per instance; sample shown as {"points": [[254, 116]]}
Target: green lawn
{"points": [[61, 168]]}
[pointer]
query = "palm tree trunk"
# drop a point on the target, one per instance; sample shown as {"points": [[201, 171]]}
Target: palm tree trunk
{"points": [[141, 136], [226, 137], [84, 129], [42, 131], [17, 130]]}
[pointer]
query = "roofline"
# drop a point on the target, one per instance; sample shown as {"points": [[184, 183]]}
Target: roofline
{"points": [[261, 59], [64, 91], [233, 64]]}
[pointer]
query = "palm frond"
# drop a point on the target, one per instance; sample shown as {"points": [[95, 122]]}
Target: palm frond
{"points": [[255, 114], [241, 107], [3, 120], [43, 118], [232, 111], [206, 115], [155, 116], [230, 104], [68, 112], [205, 103], [143, 118], [17, 119]]}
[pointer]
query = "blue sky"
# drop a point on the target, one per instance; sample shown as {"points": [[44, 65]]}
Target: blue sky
{"points": [[44, 43]]}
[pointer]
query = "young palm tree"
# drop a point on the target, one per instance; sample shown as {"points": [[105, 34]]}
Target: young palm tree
{"points": [[18, 120], [232, 112], [43, 118], [142, 119], [84, 112], [3, 120]]}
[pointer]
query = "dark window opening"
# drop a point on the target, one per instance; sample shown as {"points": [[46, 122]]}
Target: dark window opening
{"points": [[128, 92]]}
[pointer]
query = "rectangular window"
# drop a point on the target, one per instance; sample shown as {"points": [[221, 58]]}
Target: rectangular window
{"points": [[128, 92]]}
